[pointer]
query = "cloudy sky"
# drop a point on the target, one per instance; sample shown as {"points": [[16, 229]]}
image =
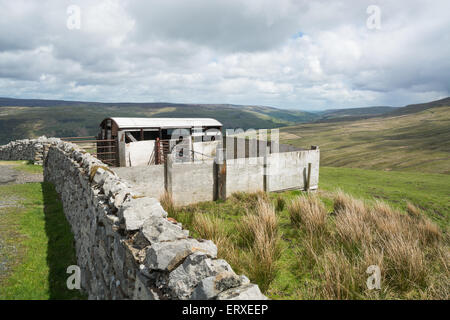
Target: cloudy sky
{"points": [[290, 54]]}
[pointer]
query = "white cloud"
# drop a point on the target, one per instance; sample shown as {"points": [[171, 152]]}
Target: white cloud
{"points": [[296, 54]]}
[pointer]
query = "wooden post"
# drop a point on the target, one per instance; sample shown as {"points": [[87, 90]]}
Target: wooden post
{"points": [[308, 179], [266, 175], [247, 147], [157, 151], [192, 147], [168, 173], [220, 173], [122, 149], [258, 151]]}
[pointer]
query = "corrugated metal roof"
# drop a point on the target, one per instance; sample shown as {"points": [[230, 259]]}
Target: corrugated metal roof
{"points": [[133, 123]]}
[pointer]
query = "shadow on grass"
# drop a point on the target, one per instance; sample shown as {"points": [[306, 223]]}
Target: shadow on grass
{"points": [[60, 248]]}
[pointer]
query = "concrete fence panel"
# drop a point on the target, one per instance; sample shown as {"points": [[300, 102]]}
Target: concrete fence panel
{"points": [[193, 182]]}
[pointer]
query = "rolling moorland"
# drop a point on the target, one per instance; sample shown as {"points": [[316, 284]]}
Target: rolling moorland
{"points": [[414, 138], [352, 113], [28, 118], [21, 119], [393, 169]]}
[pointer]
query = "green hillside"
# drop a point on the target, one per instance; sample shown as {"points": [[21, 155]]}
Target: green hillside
{"points": [[353, 113], [413, 108], [417, 141], [428, 191], [31, 118]]}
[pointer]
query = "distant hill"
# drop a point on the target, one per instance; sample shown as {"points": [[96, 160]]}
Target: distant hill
{"points": [[413, 108], [27, 118], [353, 113], [371, 112], [415, 137]]}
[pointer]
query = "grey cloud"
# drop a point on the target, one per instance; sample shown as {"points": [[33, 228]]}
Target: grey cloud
{"points": [[222, 25], [227, 51]]}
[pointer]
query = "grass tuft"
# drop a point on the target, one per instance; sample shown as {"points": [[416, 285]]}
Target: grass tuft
{"points": [[261, 230], [168, 204], [280, 203], [308, 212]]}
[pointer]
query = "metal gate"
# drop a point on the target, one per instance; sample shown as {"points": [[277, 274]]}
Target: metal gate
{"points": [[104, 150]]}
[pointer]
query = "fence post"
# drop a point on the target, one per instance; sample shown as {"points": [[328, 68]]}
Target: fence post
{"points": [[121, 147], [221, 180], [220, 173], [266, 174], [168, 173], [308, 179]]}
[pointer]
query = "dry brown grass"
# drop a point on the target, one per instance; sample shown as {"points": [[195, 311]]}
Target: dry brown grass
{"points": [[333, 251], [208, 227], [259, 240], [405, 262], [248, 200], [226, 249], [211, 228], [343, 202], [167, 203], [258, 237], [338, 279], [262, 260], [352, 227], [408, 241], [412, 210], [429, 233], [407, 247], [259, 230], [386, 221], [308, 212], [280, 203], [263, 221]]}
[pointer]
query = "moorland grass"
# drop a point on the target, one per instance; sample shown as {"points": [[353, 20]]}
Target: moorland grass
{"points": [[428, 192], [326, 241]]}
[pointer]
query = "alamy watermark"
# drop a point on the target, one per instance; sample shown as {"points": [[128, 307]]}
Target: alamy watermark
{"points": [[74, 17], [374, 280], [249, 147], [74, 280], [373, 22]]}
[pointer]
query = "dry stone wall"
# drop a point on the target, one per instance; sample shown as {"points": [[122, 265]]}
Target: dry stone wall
{"points": [[28, 149], [126, 246]]}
